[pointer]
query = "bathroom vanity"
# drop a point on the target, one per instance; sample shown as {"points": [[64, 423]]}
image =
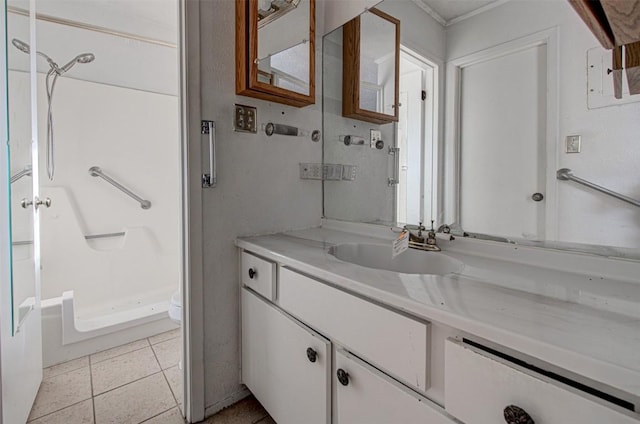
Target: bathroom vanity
{"points": [[511, 331]]}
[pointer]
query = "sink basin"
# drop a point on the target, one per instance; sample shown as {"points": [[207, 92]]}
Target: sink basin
{"points": [[409, 262]]}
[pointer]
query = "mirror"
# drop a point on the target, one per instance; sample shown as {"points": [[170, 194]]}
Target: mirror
{"points": [[20, 163], [275, 50], [370, 67], [486, 157]]}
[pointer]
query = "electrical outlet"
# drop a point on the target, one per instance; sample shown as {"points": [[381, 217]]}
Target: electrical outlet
{"points": [[245, 119], [349, 172], [311, 171], [376, 136], [573, 144]]}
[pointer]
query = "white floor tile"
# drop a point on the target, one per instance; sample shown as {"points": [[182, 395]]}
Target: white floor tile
{"points": [[173, 416], [123, 369], [80, 413], [65, 367], [168, 352], [174, 376], [172, 334], [135, 402], [118, 350], [61, 391]]}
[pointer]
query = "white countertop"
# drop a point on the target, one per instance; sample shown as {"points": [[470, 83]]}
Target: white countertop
{"points": [[584, 322]]}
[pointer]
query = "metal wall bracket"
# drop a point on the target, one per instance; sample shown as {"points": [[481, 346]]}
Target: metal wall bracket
{"points": [[209, 128]]}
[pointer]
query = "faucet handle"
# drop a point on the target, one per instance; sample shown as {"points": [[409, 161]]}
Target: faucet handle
{"points": [[421, 228]]}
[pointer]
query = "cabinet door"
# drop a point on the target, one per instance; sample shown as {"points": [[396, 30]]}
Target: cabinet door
{"points": [[470, 372], [284, 364], [364, 395]]}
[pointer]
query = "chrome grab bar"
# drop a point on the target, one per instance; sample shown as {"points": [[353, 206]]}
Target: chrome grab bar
{"points": [[395, 180], [95, 171], [87, 237], [565, 174], [27, 171], [210, 179]]}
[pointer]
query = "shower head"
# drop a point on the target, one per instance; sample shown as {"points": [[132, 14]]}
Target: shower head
{"points": [[81, 58], [21, 45], [24, 47]]}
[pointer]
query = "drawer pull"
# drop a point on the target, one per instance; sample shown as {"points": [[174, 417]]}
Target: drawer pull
{"points": [[312, 354], [252, 273], [516, 415], [343, 377]]}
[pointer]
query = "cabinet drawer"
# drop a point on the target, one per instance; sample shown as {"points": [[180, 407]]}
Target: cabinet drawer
{"points": [[396, 344], [370, 397], [259, 274], [278, 368], [478, 387]]}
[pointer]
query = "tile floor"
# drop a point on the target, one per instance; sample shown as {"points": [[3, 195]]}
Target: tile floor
{"points": [[133, 383], [138, 382]]}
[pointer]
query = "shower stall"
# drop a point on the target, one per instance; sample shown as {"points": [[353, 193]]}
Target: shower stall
{"points": [[109, 167]]}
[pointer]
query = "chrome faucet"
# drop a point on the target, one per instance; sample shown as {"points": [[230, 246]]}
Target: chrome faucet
{"points": [[421, 242]]}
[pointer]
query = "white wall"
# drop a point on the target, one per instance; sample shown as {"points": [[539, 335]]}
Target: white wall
{"points": [[610, 150], [259, 190]]}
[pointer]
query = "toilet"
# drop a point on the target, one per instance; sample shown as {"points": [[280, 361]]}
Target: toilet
{"points": [[175, 308]]}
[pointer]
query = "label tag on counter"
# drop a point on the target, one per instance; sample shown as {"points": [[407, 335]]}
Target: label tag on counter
{"points": [[401, 243]]}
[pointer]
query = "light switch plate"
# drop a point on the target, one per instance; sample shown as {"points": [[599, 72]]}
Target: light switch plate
{"points": [[245, 119], [573, 144], [376, 135]]}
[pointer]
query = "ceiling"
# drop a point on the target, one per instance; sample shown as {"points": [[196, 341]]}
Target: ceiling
{"points": [[450, 11]]}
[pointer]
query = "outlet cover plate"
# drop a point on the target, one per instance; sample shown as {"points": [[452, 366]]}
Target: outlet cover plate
{"points": [[573, 144], [376, 135], [245, 119]]}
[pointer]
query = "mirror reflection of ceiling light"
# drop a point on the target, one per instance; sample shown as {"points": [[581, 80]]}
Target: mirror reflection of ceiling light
{"points": [[270, 10]]}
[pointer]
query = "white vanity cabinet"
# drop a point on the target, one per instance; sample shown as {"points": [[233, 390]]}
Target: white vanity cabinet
{"points": [[284, 364], [376, 360]]}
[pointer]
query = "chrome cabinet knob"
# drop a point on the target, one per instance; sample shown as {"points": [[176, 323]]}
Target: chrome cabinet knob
{"points": [[537, 197], [25, 203]]}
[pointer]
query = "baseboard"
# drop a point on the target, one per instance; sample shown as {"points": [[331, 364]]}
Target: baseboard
{"points": [[219, 406]]}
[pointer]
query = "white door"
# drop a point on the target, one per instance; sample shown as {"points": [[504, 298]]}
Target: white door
{"points": [[502, 138], [415, 135], [20, 320]]}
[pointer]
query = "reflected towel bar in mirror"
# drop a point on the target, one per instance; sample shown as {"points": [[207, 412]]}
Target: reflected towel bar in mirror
{"points": [[281, 129], [565, 174]]}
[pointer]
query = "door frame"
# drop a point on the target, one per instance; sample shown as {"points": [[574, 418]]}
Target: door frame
{"points": [[5, 223], [429, 130], [192, 220], [450, 207]]}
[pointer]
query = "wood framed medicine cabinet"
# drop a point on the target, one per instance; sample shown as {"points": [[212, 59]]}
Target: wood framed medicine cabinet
{"points": [[275, 50], [371, 67]]}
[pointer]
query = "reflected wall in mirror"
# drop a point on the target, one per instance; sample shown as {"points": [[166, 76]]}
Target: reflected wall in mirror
{"points": [[390, 185], [535, 77], [21, 153], [275, 50], [371, 52]]}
